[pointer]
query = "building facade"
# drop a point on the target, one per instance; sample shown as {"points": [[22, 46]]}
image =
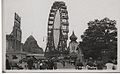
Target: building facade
{"points": [[13, 40]]}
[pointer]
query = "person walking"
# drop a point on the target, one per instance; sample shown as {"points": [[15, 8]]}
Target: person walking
{"points": [[63, 63], [8, 67], [99, 64], [30, 63]]}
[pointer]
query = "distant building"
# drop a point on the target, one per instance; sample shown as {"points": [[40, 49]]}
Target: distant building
{"points": [[31, 47], [37, 56], [13, 40]]}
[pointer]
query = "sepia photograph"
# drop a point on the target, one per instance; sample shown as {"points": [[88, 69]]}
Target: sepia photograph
{"points": [[60, 36]]}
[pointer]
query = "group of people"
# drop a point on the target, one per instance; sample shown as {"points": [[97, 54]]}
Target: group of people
{"points": [[30, 63], [97, 65], [42, 64]]}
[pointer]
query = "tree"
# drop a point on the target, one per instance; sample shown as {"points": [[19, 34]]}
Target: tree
{"points": [[100, 36]]}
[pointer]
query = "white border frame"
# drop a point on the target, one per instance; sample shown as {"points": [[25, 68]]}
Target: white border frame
{"points": [[3, 47]]}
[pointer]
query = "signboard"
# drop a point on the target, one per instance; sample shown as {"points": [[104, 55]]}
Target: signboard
{"points": [[17, 17]]}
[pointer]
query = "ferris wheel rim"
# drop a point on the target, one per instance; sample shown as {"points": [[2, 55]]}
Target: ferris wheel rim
{"points": [[62, 8]]}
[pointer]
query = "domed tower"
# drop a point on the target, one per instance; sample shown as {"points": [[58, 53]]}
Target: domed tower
{"points": [[74, 50], [73, 43], [73, 37]]}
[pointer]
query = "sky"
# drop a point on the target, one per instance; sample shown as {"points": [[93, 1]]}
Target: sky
{"points": [[34, 16]]}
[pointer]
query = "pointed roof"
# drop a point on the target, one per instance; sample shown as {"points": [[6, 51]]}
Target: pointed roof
{"points": [[73, 37], [31, 46], [31, 38]]}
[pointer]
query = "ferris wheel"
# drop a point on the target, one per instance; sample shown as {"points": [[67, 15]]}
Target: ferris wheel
{"points": [[58, 28]]}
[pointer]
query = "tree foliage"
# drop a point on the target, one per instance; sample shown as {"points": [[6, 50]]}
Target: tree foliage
{"points": [[101, 35]]}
